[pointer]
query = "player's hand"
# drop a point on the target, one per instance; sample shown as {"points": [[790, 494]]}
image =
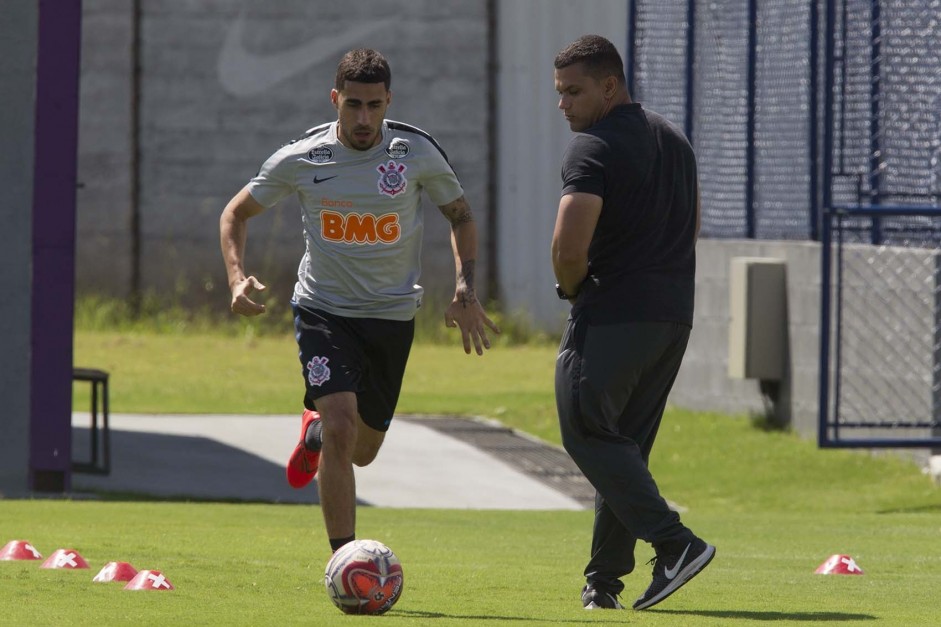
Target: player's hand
{"points": [[242, 303], [466, 313]]}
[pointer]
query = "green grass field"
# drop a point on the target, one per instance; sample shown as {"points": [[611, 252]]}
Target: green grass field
{"points": [[773, 504], [262, 565]]}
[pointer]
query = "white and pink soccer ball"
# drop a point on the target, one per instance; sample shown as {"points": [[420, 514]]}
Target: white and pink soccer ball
{"points": [[364, 577]]}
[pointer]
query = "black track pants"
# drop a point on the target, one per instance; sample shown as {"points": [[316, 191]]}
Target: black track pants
{"points": [[611, 384]]}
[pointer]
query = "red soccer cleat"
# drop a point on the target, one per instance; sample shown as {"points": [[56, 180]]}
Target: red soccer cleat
{"points": [[303, 464]]}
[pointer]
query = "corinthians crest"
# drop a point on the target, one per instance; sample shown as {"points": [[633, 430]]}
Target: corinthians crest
{"points": [[392, 179], [317, 371]]}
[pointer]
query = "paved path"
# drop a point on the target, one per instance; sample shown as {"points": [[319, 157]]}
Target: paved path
{"points": [[423, 463]]}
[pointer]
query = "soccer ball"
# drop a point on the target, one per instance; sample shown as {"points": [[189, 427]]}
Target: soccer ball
{"points": [[364, 577]]}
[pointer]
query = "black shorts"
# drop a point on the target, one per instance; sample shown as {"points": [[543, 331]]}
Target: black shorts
{"points": [[366, 356]]}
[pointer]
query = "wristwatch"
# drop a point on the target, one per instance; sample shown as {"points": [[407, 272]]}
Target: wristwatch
{"points": [[562, 294]]}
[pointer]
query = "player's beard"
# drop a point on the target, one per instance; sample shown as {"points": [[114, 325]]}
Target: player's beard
{"points": [[361, 137]]}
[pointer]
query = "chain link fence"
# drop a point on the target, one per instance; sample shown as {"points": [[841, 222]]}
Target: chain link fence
{"points": [[751, 96], [883, 379]]}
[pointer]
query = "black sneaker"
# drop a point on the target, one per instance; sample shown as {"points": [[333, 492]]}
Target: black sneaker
{"points": [[597, 599], [672, 570]]}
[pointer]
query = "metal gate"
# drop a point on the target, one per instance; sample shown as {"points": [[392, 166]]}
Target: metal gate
{"points": [[880, 341], [881, 224]]}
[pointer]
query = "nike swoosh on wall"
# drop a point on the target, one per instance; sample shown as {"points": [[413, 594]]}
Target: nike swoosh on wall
{"points": [[244, 73]]}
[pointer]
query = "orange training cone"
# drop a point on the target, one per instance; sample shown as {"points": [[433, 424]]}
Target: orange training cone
{"points": [[65, 558], [115, 571], [149, 580], [839, 565], [19, 550]]}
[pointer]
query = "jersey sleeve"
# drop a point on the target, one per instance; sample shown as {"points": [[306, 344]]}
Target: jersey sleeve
{"points": [[274, 180], [583, 166], [439, 179]]}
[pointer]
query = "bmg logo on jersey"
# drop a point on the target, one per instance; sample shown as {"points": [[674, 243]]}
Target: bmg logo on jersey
{"points": [[355, 228]]}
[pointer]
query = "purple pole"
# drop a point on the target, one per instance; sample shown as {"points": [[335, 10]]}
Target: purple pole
{"points": [[53, 281]]}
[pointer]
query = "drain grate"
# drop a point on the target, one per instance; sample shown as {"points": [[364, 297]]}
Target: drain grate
{"points": [[548, 464]]}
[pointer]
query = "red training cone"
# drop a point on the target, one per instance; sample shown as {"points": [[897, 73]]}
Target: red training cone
{"points": [[19, 550], [149, 580], [65, 558], [115, 571], [839, 565]]}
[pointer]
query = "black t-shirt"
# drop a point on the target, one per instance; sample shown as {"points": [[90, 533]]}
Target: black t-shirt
{"points": [[642, 257]]}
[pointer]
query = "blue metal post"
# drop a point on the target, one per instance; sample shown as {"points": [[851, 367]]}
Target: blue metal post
{"points": [[875, 126], [631, 44], [750, 89], [690, 78], [813, 133], [827, 201]]}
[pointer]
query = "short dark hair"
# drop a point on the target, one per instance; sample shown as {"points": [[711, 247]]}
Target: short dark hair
{"points": [[600, 57], [363, 65]]}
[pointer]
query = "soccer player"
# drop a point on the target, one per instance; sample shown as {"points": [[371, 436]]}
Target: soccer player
{"points": [[359, 181], [623, 252]]}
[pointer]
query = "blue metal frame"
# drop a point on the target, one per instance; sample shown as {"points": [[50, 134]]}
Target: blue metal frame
{"points": [[875, 124], [690, 103], [829, 430], [826, 174], [750, 95], [813, 122], [829, 435], [631, 44]]}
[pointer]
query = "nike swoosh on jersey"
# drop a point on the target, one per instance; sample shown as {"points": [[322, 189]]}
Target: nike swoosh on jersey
{"points": [[244, 73], [326, 178], [670, 573]]}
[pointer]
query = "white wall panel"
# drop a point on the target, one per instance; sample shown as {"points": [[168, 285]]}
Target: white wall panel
{"points": [[532, 137]]}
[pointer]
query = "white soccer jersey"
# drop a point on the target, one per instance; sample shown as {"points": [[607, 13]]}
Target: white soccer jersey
{"points": [[362, 216]]}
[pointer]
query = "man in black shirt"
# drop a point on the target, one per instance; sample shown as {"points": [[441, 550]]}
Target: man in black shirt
{"points": [[623, 252]]}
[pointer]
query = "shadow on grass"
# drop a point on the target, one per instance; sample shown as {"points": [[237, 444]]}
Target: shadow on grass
{"points": [[797, 617], [412, 614], [767, 422], [934, 508]]}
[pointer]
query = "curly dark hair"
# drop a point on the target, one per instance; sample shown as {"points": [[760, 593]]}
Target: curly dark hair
{"points": [[363, 65], [600, 57]]}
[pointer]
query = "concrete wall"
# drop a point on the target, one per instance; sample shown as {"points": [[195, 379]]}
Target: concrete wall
{"points": [[533, 137], [223, 85], [704, 383], [103, 217], [18, 31], [889, 360]]}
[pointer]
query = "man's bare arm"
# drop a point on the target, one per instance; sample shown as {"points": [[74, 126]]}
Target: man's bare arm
{"points": [[233, 235], [575, 224], [464, 246], [465, 310]]}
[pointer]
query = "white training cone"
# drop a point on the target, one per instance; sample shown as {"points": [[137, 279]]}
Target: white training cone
{"points": [[149, 580], [65, 558], [19, 550], [115, 571], [839, 565]]}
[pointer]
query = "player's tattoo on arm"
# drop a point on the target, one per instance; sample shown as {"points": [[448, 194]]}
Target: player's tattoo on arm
{"points": [[466, 294], [457, 212]]}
